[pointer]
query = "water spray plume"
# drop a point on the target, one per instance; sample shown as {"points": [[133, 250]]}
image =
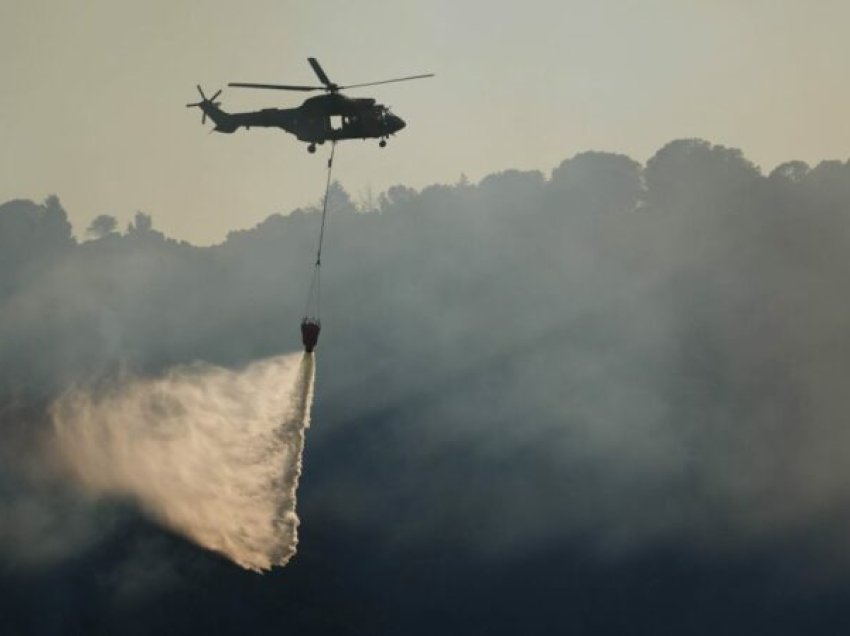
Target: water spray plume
{"points": [[212, 453]]}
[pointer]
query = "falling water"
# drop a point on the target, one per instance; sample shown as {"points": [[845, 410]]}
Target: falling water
{"points": [[212, 453]]}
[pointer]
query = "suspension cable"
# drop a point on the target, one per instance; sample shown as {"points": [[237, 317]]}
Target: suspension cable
{"points": [[325, 205], [315, 284]]}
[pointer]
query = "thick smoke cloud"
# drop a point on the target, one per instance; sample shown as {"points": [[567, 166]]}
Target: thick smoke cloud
{"points": [[616, 358]]}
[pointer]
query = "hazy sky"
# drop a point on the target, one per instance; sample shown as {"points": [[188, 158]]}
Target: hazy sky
{"points": [[93, 93]]}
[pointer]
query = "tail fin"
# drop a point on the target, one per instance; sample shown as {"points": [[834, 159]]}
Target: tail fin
{"points": [[223, 121]]}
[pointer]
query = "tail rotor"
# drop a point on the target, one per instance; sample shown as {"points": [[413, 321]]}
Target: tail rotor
{"points": [[205, 101]]}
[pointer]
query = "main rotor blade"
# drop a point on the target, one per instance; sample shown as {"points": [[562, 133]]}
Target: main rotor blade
{"points": [[399, 79], [323, 78], [282, 87]]}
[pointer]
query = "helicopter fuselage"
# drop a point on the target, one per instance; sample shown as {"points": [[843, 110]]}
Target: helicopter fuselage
{"points": [[319, 119]]}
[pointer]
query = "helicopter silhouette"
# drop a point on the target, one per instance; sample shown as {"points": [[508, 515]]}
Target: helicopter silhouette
{"points": [[328, 117]]}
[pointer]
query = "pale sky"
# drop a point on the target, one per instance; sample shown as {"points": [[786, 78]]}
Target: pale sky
{"points": [[94, 92]]}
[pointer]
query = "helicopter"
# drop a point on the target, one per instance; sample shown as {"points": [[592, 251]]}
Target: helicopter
{"points": [[328, 117]]}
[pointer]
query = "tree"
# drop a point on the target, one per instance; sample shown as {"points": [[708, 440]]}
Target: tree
{"points": [[102, 225], [690, 174], [791, 171], [142, 223], [600, 182]]}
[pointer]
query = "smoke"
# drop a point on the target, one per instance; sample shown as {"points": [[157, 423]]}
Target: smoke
{"points": [[212, 453]]}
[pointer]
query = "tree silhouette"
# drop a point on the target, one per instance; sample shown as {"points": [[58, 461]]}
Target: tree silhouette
{"points": [[102, 225]]}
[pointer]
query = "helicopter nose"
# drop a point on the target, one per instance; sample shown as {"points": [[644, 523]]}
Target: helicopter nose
{"points": [[396, 123]]}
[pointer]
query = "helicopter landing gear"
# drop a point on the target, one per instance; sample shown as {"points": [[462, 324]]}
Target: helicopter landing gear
{"points": [[383, 143], [311, 148]]}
